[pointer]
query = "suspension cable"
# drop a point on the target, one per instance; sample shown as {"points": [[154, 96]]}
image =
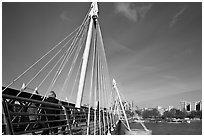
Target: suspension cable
{"points": [[47, 63], [106, 73], [80, 28], [104, 76], [104, 69], [69, 49], [81, 43], [105, 95], [49, 72], [39, 110], [91, 84], [95, 90], [103, 90], [40, 59], [66, 55], [23, 73], [98, 88], [145, 128], [54, 67], [75, 80]]}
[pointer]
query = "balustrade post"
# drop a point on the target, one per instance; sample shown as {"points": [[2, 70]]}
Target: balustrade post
{"points": [[67, 118], [9, 127]]}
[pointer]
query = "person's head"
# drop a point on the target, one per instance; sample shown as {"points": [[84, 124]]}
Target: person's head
{"points": [[52, 94], [35, 92]]}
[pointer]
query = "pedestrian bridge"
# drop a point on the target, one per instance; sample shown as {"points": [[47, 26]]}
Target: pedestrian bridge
{"points": [[78, 64], [70, 120]]}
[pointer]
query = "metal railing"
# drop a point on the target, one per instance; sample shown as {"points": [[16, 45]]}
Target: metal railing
{"points": [[29, 114]]}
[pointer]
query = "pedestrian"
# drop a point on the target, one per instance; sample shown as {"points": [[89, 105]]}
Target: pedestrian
{"points": [[33, 117], [51, 110]]}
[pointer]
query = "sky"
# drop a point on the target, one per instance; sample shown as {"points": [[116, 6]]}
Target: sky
{"points": [[153, 50]]}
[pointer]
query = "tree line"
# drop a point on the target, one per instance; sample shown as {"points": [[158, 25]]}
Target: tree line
{"points": [[173, 113]]}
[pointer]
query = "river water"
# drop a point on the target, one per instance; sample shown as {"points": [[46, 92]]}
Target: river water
{"points": [[193, 128], [164, 128]]}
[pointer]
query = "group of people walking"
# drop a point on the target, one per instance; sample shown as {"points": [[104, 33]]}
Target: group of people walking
{"points": [[44, 115], [50, 115]]}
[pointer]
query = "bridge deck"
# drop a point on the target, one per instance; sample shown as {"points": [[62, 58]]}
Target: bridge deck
{"points": [[62, 118]]}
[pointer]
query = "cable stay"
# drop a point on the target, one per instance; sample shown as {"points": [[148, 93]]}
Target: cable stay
{"points": [[76, 69]]}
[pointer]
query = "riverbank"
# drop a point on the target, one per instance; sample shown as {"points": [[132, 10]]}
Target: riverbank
{"points": [[170, 120], [193, 128]]}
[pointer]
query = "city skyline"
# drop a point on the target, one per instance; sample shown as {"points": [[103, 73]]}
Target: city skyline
{"points": [[153, 50], [182, 105]]}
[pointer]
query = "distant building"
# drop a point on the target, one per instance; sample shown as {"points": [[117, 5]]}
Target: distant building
{"points": [[183, 105], [169, 108], [198, 105], [161, 109], [143, 109], [158, 107], [126, 105], [193, 106], [188, 106]]}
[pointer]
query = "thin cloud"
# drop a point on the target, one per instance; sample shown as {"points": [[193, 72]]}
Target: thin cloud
{"points": [[171, 78], [132, 11], [175, 18], [64, 16]]}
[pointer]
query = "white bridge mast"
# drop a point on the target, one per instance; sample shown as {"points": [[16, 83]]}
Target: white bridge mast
{"points": [[121, 104], [93, 17]]}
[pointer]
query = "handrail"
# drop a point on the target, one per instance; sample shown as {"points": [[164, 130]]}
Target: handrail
{"points": [[32, 100], [72, 120]]}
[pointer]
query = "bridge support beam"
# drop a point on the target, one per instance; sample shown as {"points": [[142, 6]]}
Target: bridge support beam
{"points": [[93, 14]]}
